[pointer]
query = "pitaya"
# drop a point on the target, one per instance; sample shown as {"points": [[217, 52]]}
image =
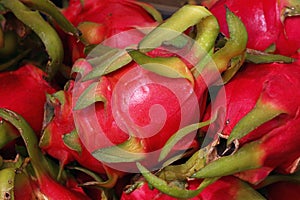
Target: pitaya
{"points": [[48, 187], [113, 112], [60, 138], [259, 118], [99, 20], [24, 91], [112, 132], [267, 22]]}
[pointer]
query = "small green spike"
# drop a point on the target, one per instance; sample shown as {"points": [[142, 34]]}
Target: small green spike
{"points": [[246, 158], [173, 191], [185, 17], [171, 67], [261, 113]]}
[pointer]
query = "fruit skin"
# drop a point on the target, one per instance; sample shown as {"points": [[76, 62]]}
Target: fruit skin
{"points": [[99, 20], [48, 187], [53, 190], [264, 23], [264, 82], [24, 91], [273, 144], [60, 123]]}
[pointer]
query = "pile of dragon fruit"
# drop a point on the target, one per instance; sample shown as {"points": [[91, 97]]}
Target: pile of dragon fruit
{"points": [[108, 99]]}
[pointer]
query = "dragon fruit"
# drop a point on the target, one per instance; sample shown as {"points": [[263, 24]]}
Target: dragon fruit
{"points": [[99, 20], [23, 91], [59, 138], [68, 141], [257, 119], [48, 187], [267, 22], [28, 83], [123, 120]]}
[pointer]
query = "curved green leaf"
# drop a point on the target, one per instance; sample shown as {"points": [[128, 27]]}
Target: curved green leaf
{"points": [[179, 135], [129, 151], [90, 96], [259, 57], [185, 17], [71, 140], [105, 60], [52, 10], [261, 113], [173, 191], [150, 9], [43, 29], [171, 67]]}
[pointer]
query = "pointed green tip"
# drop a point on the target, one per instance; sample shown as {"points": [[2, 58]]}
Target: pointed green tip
{"points": [[260, 114], [173, 190], [179, 135], [246, 158]]}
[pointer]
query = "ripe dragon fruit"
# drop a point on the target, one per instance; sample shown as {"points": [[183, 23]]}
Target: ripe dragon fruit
{"points": [[113, 135], [30, 86], [48, 187], [99, 20], [23, 91], [259, 118], [59, 138], [122, 122], [267, 22]]}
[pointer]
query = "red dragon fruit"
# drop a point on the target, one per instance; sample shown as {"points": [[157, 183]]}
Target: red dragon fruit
{"points": [[48, 187], [99, 20], [264, 80], [267, 22], [59, 138], [260, 118], [122, 131], [23, 91]]}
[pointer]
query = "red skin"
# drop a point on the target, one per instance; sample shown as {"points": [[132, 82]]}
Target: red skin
{"points": [[112, 134], [24, 92], [276, 83], [61, 124], [24, 187], [56, 148], [285, 157], [28, 189], [53, 190], [266, 80], [263, 24], [138, 108], [114, 16]]}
